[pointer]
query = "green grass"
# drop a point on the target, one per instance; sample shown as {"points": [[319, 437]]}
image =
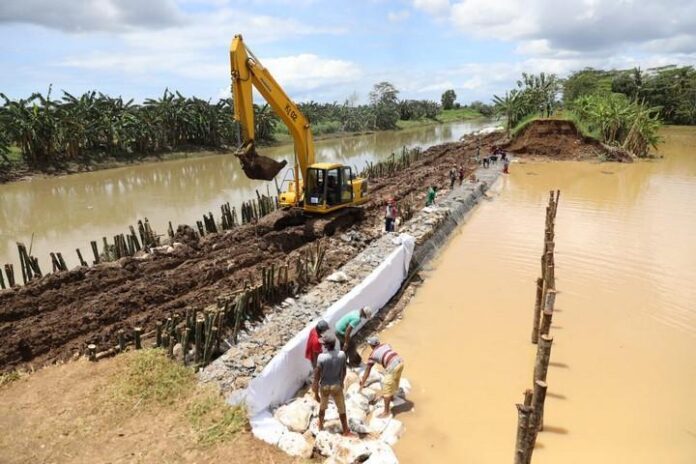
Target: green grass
{"points": [[458, 114], [150, 380], [524, 122], [9, 377], [212, 419]]}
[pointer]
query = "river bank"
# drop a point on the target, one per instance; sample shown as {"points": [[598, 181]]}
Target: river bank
{"points": [[18, 171]]}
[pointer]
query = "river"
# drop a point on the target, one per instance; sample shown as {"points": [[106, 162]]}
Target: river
{"points": [[622, 379], [64, 213]]}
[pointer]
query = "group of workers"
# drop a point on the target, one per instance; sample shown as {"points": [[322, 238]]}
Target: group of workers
{"points": [[332, 351]]}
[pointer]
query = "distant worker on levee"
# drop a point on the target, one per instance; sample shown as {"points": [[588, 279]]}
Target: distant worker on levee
{"points": [[430, 196], [382, 353], [329, 376], [391, 212], [345, 330]]}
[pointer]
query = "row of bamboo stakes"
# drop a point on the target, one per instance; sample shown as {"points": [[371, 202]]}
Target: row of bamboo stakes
{"points": [[201, 333], [530, 413], [124, 245], [393, 164]]}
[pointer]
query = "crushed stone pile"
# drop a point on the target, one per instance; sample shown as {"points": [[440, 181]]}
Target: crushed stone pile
{"points": [[374, 437]]}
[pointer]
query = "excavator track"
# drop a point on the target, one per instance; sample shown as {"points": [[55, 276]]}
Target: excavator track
{"points": [[314, 225]]}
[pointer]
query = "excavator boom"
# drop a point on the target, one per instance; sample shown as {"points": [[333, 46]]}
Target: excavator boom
{"points": [[248, 73]]}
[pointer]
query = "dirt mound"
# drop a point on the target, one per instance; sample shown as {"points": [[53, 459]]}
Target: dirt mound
{"points": [[561, 140], [54, 318]]}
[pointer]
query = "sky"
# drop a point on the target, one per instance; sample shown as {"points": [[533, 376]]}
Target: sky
{"points": [[331, 50]]}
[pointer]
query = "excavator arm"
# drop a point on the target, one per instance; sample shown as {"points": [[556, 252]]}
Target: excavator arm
{"points": [[248, 73]]}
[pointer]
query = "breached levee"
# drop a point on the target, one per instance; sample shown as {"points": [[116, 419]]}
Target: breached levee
{"points": [[268, 369]]}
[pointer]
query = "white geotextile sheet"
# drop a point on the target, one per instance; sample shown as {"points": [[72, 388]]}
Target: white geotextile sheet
{"points": [[288, 370]]}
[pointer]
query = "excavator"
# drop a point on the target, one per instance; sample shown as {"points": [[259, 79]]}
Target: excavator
{"points": [[316, 188]]}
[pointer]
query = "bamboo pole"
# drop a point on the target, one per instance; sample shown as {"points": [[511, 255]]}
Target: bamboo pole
{"points": [[528, 395], [521, 443], [541, 364], [158, 336], [9, 271], [95, 251], [82, 261], [537, 309], [92, 352], [122, 340], [136, 335]]}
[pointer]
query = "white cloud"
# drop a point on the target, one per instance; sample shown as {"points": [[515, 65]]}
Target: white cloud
{"points": [[91, 15], [434, 7], [307, 71], [588, 26], [398, 16]]}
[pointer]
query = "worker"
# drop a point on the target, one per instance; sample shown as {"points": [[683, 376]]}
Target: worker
{"points": [[393, 365], [506, 165], [390, 214], [314, 347], [430, 197], [453, 177], [329, 376], [461, 174], [345, 330]]}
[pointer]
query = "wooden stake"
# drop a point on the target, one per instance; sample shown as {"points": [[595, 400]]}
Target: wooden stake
{"points": [[521, 442], [537, 420], [82, 261], [548, 312], [92, 352], [9, 271], [158, 337], [528, 397], [136, 334], [537, 309], [95, 251], [122, 340], [2, 281], [541, 364]]}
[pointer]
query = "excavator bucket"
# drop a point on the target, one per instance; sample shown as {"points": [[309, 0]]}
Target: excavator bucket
{"points": [[256, 166]]}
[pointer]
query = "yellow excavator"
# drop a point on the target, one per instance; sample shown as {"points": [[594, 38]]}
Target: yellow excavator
{"points": [[318, 188]]}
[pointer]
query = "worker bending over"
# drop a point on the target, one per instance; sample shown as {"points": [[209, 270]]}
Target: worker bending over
{"points": [[393, 365], [345, 328]]}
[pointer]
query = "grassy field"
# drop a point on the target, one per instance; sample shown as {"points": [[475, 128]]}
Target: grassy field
{"points": [[453, 115]]}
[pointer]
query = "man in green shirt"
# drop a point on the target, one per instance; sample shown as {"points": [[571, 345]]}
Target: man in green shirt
{"points": [[430, 197], [345, 329]]}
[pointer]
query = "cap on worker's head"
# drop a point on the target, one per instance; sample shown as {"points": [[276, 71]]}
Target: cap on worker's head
{"points": [[373, 341], [367, 311], [322, 326], [328, 339]]}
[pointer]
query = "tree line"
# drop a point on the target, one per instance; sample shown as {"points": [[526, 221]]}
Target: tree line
{"points": [[50, 131], [620, 107]]}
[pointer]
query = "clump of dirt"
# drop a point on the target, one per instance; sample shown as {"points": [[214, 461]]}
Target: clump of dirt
{"points": [[55, 317], [560, 139]]}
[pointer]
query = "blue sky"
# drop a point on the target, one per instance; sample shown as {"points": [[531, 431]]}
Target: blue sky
{"points": [[331, 50]]}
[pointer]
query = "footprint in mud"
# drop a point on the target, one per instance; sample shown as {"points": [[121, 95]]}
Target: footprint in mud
{"points": [[607, 172], [531, 173]]}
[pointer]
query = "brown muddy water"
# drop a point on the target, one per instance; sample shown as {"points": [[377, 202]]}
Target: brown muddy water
{"points": [[622, 380], [64, 213]]}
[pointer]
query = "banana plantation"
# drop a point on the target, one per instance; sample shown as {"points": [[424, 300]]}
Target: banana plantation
{"points": [[51, 131]]}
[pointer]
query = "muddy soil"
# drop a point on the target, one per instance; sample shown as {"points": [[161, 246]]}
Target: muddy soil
{"points": [[561, 140], [54, 318]]}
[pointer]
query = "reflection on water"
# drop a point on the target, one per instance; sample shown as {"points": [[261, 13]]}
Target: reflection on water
{"points": [[67, 212], [623, 376]]}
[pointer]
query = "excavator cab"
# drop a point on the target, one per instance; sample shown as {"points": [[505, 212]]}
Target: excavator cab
{"points": [[330, 186]]}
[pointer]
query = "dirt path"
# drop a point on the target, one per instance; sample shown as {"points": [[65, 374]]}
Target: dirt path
{"points": [[54, 318], [57, 415]]}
